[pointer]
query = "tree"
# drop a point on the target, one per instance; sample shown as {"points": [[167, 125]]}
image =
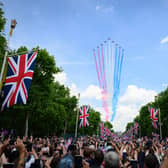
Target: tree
{"points": [[129, 125], [108, 125], [161, 102], [48, 100], [51, 108], [2, 35]]}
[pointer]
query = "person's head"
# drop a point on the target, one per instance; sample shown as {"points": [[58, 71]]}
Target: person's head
{"points": [[55, 160], [99, 157], [87, 152], [150, 161], [66, 162], [43, 159], [72, 149], [111, 160]]}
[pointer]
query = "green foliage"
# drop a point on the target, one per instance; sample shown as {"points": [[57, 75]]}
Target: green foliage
{"points": [[143, 119], [2, 36], [50, 107], [108, 125], [49, 104], [129, 125]]}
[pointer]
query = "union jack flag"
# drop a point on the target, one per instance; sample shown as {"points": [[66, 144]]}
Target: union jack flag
{"points": [[153, 115], [125, 137], [156, 136], [131, 130], [102, 130], [102, 127], [84, 116], [107, 131], [135, 128], [18, 79]]}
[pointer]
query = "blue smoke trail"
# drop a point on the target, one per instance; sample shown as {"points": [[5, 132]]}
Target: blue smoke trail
{"points": [[117, 83], [115, 86], [120, 68]]}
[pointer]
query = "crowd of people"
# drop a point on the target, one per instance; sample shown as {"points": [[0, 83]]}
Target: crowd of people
{"points": [[86, 152]]}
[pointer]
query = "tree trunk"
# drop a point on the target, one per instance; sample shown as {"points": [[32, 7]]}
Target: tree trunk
{"points": [[27, 124]]}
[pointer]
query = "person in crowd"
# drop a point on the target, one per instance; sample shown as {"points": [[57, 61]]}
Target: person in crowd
{"points": [[84, 152]]}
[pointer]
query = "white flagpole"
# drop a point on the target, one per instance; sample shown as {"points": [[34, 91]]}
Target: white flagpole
{"points": [[77, 116], [13, 24]]}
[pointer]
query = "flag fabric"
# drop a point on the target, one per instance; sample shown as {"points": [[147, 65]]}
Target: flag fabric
{"points": [[154, 116], [107, 132], [155, 136], [125, 137], [68, 142], [84, 116], [131, 130], [18, 79], [128, 133], [136, 128], [102, 130]]}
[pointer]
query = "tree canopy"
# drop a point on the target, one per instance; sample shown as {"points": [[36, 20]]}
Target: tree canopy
{"points": [[50, 106], [146, 128]]}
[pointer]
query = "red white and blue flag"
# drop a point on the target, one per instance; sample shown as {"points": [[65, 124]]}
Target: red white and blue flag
{"points": [[84, 116], [136, 128], [102, 130], [155, 136], [154, 116], [18, 79]]}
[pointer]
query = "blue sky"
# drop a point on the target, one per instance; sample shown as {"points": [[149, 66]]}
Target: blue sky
{"points": [[70, 29]]}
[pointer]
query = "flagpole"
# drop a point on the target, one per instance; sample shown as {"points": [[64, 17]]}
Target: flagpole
{"points": [[160, 124], [77, 116], [2, 75]]}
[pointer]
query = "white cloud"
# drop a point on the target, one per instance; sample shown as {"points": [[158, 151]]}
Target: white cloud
{"points": [[129, 105], [91, 92], [135, 95], [60, 77], [103, 9], [103, 113], [73, 90], [164, 40]]}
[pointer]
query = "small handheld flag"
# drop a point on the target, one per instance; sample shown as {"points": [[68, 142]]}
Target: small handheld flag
{"points": [[84, 116], [18, 79]]}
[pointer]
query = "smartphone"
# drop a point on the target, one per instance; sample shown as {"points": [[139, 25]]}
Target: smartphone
{"points": [[78, 161]]}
